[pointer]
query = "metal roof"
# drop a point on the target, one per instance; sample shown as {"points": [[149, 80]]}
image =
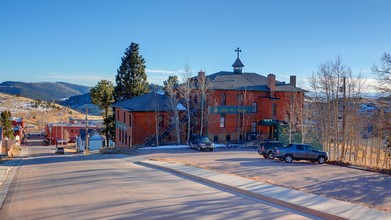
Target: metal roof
{"points": [[238, 63], [148, 102], [225, 80], [91, 132]]}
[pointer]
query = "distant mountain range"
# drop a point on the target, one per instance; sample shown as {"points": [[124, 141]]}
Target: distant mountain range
{"points": [[80, 103], [45, 91], [72, 95]]}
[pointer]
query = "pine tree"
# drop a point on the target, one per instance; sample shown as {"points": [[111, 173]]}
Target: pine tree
{"points": [[102, 96], [131, 78], [172, 82], [7, 124]]}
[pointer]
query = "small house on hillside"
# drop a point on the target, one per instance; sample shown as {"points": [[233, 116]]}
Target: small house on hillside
{"points": [[95, 140]]}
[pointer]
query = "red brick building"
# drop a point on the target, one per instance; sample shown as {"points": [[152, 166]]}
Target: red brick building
{"points": [[69, 131], [18, 127], [137, 120], [246, 105]]}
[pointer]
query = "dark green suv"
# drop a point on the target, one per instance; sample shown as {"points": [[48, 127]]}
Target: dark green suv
{"points": [[265, 148]]}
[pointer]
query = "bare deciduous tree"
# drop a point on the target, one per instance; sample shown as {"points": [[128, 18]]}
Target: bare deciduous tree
{"points": [[293, 112], [203, 86], [173, 93], [185, 92], [244, 115], [326, 84], [383, 73]]}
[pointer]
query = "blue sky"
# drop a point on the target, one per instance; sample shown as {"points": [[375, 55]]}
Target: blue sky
{"points": [[82, 41]]}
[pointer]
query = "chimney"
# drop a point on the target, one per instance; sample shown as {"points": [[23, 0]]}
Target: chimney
{"points": [[271, 82], [201, 74], [292, 81]]}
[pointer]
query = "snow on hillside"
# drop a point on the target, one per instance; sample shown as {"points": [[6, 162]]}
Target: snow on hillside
{"points": [[18, 104]]}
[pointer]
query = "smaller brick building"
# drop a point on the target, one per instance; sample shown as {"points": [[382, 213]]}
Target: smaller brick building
{"points": [[69, 131], [18, 127], [140, 118]]}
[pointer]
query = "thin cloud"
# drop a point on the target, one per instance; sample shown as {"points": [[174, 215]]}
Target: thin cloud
{"points": [[160, 71], [74, 76], [363, 71], [158, 76]]}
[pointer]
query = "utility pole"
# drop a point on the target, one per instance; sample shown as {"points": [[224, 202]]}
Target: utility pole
{"points": [[86, 147], [344, 119]]}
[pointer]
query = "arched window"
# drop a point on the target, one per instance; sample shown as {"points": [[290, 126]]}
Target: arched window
{"points": [[274, 109], [222, 120], [195, 99], [223, 99], [161, 121], [240, 99], [254, 107]]}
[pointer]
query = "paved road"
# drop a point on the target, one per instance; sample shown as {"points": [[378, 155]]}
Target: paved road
{"points": [[48, 186]]}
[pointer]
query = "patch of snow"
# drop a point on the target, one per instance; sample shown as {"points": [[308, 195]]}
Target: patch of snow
{"points": [[180, 107], [367, 107], [174, 147], [160, 92]]}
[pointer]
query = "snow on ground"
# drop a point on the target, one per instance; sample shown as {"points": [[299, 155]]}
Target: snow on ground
{"points": [[174, 147]]}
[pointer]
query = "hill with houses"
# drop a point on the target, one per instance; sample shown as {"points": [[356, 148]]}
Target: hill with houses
{"points": [[36, 114], [73, 96]]}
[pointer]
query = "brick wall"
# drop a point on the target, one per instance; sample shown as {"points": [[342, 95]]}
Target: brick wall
{"points": [[135, 128], [233, 122]]}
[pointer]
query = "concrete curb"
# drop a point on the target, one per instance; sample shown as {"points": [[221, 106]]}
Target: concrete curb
{"points": [[303, 202], [10, 173], [7, 180]]}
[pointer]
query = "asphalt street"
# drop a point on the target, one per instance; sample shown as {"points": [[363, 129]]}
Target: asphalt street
{"points": [[48, 186]]}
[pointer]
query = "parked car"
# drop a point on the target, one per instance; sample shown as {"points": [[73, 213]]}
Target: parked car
{"points": [[201, 143], [59, 150], [266, 148], [300, 152]]}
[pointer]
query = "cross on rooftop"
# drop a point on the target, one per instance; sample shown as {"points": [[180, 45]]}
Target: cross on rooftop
{"points": [[238, 51]]}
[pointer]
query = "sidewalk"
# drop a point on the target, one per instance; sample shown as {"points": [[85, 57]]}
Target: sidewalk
{"points": [[7, 172], [301, 201]]}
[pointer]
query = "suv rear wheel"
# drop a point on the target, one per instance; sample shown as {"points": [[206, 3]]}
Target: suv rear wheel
{"points": [[270, 155], [288, 158], [321, 160]]}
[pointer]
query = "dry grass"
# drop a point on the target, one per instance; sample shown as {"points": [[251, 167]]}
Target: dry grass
{"points": [[13, 152], [38, 117]]}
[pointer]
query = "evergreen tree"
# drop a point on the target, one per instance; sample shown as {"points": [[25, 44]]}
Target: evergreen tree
{"points": [[131, 78], [7, 124], [102, 96], [172, 82]]}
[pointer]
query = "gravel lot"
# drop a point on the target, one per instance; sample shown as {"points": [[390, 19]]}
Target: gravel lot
{"points": [[347, 184]]}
